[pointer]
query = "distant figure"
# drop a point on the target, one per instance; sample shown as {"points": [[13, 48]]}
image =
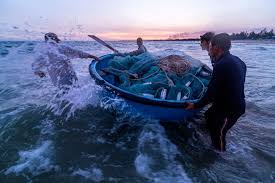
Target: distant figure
{"points": [[55, 59], [141, 48], [225, 91], [205, 41]]}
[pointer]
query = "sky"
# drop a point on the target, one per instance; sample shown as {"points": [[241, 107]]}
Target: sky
{"points": [[129, 19]]}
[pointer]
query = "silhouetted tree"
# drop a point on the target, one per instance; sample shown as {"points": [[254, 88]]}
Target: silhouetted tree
{"points": [[263, 34]]}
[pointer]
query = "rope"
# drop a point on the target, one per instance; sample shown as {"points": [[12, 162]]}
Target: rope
{"points": [[170, 81], [146, 77], [203, 86], [118, 70]]}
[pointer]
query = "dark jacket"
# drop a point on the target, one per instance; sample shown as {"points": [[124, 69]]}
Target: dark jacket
{"points": [[226, 88]]}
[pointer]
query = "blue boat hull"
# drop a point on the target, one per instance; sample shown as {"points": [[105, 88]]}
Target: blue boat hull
{"points": [[161, 113], [163, 110]]}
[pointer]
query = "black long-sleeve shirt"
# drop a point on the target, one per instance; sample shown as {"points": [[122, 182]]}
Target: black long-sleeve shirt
{"points": [[226, 88]]}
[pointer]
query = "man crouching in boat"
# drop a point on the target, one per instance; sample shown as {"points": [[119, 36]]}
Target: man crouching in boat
{"points": [[141, 49], [225, 91], [55, 59]]}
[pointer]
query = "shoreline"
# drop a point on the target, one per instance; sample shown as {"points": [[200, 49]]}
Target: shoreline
{"points": [[236, 40]]}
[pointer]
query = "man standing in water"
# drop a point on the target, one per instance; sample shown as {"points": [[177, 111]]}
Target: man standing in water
{"points": [[55, 58], [205, 42], [225, 91]]}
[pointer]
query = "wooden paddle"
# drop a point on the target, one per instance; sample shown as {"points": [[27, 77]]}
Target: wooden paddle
{"points": [[103, 43]]}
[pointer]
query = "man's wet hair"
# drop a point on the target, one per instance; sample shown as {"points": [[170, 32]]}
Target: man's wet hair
{"points": [[51, 35], [222, 41], [139, 39], [207, 36]]}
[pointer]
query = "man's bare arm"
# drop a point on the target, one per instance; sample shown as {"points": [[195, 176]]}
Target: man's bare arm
{"points": [[73, 53]]}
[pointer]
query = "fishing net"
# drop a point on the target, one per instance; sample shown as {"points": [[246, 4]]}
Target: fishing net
{"points": [[172, 77], [174, 64]]}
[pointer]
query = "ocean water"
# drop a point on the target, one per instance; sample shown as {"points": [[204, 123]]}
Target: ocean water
{"points": [[79, 137]]}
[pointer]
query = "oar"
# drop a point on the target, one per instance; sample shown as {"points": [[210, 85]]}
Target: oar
{"points": [[103, 43]]}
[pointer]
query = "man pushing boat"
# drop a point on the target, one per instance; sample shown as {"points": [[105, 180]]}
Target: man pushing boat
{"points": [[54, 59], [225, 91]]}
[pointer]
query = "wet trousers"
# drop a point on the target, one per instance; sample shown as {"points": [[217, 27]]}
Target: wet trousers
{"points": [[218, 124]]}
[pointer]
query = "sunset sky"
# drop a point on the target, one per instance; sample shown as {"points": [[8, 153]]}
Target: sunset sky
{"points": [[127, 19]]}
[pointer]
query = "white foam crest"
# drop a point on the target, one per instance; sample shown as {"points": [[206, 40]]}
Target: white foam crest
{"points": [[142, 164], [156, 157], [124, 112], [94, 174], [34, 161]]}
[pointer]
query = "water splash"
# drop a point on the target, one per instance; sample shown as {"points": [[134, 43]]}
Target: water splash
{"points": [[93, 174], [34, 161], [76, 98], [156, 156]]}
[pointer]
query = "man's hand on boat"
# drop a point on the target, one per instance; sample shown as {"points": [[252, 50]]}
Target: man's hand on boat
{"points": [[94, 57], [117, 53], [189, 106], [41, 74]]}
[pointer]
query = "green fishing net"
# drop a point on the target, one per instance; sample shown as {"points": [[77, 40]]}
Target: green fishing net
{"points": [[169, 78]]}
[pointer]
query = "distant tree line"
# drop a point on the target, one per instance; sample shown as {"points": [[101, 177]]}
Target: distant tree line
{"points": [[263, 34]]}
